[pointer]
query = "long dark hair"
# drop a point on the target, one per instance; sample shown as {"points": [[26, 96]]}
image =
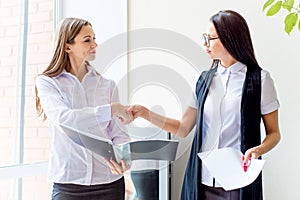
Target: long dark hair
{"points": [[233, 32]]}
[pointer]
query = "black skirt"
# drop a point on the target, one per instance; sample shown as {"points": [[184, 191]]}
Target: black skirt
{"points": [[110, 191], [213, 193]]}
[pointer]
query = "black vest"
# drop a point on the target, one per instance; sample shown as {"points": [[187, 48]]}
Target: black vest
{"points": [[250, 134]]}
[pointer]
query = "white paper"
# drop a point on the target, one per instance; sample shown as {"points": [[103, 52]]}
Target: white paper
{"points": [[225, 165]]}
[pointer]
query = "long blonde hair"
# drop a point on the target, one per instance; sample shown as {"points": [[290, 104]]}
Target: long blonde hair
{"points": [[67, 30]]}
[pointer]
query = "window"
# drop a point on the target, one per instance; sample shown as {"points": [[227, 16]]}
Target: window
{"points": [[26, 37], [25, 32]]}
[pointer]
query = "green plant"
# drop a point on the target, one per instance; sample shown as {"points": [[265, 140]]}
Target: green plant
{"points": [[291, 19]]}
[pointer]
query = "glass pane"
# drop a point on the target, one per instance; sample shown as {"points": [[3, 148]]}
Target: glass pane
{"points": [[36, 188], [36, 138], [7, 189], [8, 40], [39, 47], [40, 32]]}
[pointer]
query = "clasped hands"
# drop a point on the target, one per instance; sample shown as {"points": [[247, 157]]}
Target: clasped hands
{"points": [[126, 114]]}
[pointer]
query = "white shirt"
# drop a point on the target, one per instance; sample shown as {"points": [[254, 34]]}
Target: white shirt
{"points": [[85, 106], [221, 114]]}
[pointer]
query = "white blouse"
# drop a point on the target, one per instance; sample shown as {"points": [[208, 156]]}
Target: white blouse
{"points": [[221, 114], [85, 106]]}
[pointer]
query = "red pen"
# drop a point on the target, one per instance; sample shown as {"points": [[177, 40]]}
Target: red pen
{"points": [[245, 165]]}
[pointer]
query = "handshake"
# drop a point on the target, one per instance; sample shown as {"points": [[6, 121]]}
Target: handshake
{"points": [[126, 113]]}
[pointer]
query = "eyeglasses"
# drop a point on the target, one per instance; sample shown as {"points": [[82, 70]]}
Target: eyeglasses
{"points": [[208, 38]]}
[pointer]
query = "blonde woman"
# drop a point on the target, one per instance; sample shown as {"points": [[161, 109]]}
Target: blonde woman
{"points": [[71, 93]]}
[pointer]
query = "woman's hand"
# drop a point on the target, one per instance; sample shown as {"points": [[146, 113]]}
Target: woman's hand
{"points": [[252, 153], [121, 112], [271, 140], [116, 168], [138, 111]]}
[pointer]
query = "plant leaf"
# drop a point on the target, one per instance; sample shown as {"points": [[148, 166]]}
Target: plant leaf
{"points": [[269, 2], [288, 5], [290, 21], [299, 25], [274, 9]]}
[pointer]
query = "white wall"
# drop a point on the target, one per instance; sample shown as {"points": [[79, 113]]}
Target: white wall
{"points": [[275, 50], [109, 21]]}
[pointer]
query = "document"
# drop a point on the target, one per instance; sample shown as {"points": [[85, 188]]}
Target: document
{"points": [[225, 165], [150, 149]]}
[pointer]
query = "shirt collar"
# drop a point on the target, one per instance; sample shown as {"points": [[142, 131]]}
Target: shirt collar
{"points": [[90, 70], [233, 68]]}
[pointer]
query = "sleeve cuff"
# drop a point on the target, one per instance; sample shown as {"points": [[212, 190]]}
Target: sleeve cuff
{"points": [[270, 107], [103, 113]]}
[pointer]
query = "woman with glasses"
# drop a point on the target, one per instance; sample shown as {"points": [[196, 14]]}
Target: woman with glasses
{"points": [[229, 102], [74, 97]]}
